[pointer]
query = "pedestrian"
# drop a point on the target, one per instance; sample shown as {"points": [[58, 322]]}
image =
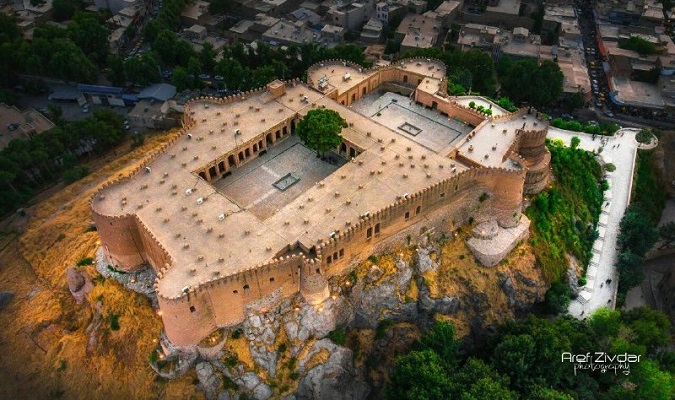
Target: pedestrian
{"points": [[602, 285], [609, 301], [582, 313], [610, 282]]}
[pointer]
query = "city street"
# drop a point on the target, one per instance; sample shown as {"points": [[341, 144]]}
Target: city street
{"points": [[621, 151]]}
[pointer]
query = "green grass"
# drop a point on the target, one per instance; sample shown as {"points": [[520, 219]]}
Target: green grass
{"points": [[338, 336], [564, 216]]}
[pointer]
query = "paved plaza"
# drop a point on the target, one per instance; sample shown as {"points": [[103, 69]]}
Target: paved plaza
{"points": [[429, 128], [251, 186], [621, 151]]}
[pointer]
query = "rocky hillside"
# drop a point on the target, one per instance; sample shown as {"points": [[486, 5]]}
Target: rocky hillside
{"points": [[343, 348]]}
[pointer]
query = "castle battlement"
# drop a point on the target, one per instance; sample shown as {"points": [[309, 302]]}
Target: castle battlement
{"points": [[214, 255]]}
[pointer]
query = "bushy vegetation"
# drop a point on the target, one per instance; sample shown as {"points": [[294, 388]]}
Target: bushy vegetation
{"points": [[338, 336], [645, 136], [523, 360], [639, 45], [576, 126], [638, 226], [481, 108], [27, 165], [564, 216], [466, 70], [541, 85]]}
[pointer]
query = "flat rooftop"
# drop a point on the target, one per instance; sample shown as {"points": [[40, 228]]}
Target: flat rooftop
{"points": [[495, 140], [497, 111], [428, 128], [287, 196]]}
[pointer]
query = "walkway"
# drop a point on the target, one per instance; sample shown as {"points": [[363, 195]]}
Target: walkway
{"points": [[621, 151]]}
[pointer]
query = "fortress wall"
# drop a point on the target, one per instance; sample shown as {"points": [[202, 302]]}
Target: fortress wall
{"points": [[154, 253], [450, 202], [450, 108], [221, 302], [121, 240], [187, 319], [532, 147]]}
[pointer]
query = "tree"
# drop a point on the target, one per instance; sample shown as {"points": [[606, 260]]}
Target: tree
{"points": [[65, 9], [605, 322], [636, 232], [515, 356], [441, 339], [419, 375], [208, 57], [89, 35], [558, 298], [180, 79], [142, 70], [115, 70], [667, 233], [320, 129]]}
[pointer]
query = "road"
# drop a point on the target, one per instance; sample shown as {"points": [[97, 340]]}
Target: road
{"points": [[620, 150]]}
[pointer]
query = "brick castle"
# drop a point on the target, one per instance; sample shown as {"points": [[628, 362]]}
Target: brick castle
{"points": [[214, 253]]}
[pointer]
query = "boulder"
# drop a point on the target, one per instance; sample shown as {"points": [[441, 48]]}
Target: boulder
{"points": [[336, 379], [209, 381], [79, 284], [319, 320], [447, 305], [573, 282], [262, 392], [404, 274], [249, 380], [509, 291], [5, 298], [375, 273]]}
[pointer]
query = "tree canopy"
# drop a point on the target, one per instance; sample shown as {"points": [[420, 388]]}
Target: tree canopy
{"points": [[320, 129], [544, 81], [523, 360]]}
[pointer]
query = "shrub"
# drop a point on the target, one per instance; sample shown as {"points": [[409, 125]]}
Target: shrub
{"points": [[484, 196], [75, 173], [338, 336], [114, 320], [137, 140], [609, 167], [85, 261], [557, 298], [644, 136], [373, 259], [282, 348], [236, 334], [472, 104], [581, 281], [382, 327]]}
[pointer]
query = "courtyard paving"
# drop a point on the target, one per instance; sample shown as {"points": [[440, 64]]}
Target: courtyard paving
{"points": [[620, 150], [251, 186], [434, 130]]}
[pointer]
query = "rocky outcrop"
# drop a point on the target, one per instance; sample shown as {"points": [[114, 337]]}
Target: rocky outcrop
{"points": [[573, 282], [405, 292], [208, 380], [79, 284], [335, 379]]}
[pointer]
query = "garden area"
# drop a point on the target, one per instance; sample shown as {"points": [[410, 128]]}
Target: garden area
{"points": [[576, 126]]}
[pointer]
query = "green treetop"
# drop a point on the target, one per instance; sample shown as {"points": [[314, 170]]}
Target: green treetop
{"points": [[320, 129]]}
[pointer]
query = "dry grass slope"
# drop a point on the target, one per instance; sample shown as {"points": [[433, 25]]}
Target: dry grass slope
{"points": [[46, 331]]}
